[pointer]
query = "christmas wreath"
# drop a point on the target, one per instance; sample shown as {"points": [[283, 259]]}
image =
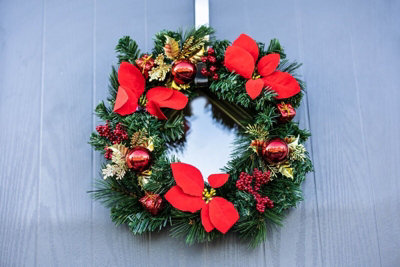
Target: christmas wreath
{"points": [[145, 185]]}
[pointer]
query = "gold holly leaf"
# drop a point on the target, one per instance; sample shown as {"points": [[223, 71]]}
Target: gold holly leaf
{"points": [[140, 138], [171, 47], [118, 167], [187, 45], [150, 144], [292, 141], [197, 57], [296, 151], [121, 148], [286, 170], [193, 49], [172, 84], [143, 179], [160, 72]]}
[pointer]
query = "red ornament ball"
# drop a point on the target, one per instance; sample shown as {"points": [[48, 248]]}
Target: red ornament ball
{"points": [[275, 151], [183, 71], [138, 159]]}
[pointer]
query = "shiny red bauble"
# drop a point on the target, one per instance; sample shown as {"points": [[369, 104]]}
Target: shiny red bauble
{"points": [[138, 159], [275, 151], [183, 71]]}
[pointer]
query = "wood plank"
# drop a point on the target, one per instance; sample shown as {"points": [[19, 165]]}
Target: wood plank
{"points": [[112, 245], [374, 35], [350, 216], [20, 92], [346, 216], [64, 236]]}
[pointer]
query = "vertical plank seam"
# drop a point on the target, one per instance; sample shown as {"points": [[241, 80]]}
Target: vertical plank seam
{"points": [[308, 123], [92, 178], [145, 26], [148, 243], [363, 139], [42, 70]]}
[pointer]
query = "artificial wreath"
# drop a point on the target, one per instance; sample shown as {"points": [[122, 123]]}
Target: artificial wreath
{"points": [[256, 87]]}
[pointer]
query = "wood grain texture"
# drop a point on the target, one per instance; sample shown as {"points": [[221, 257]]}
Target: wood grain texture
{"points": [[112, 246], [64, 211], [55, 58], [375, 43], [20, 93]]}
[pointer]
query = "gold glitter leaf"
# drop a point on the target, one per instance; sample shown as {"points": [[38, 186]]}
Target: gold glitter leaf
{"points": [[171, 47]]}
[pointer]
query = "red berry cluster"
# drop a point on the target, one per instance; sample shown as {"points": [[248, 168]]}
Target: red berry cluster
{"points": [[211, 68], [245, 184], [117, 136], [108, 153]]}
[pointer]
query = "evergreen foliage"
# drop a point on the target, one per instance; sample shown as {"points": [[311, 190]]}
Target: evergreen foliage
{"points": [[228, 99]]}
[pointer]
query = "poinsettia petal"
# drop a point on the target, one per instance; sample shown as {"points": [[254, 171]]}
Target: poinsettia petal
{"points": [[188, 178], [246, 42], [268, 64], [240, 61], [283, 84], [177, 101], [126, 102], [184, 202], [131, 79], [163, 97], [159, 94], [223, 214], [205, 218], [155, 110], [218, 180], [254, 88], [167, 98]]}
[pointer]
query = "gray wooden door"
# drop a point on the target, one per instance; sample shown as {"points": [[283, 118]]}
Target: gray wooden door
{"points": [[55, 58]]}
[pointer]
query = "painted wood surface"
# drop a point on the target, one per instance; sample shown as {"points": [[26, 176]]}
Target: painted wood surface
{"points": [[55, 58]]}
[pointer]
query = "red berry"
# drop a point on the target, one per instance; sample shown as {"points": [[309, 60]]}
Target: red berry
{"points": [[204, 59], [204, 72], [108, 153], [244, 183], [215, 77], [117, 136], [212, 59], [213, 69], [210, 51]]}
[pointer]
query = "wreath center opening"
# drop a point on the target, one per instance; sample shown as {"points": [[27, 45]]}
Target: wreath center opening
{"points": [[209, 137]]}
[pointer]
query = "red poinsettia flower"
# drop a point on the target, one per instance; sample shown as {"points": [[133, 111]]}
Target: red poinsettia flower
{"points": [[190, 195], [132, 85], [242, 57]]}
